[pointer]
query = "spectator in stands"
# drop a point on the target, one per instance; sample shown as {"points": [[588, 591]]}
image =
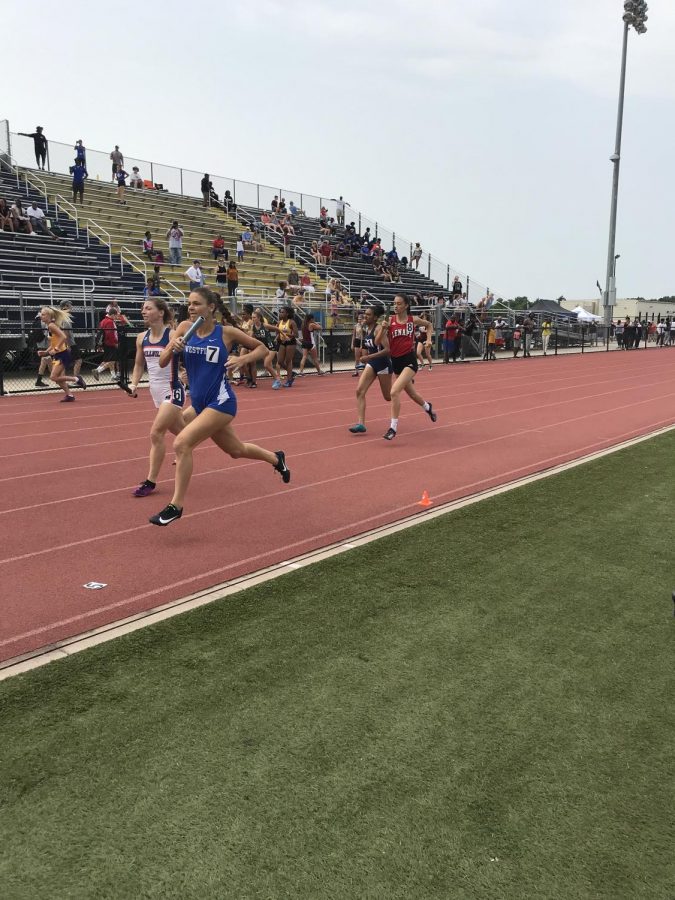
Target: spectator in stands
{"points": [[324, 213], [274, 205], [340, 211], [294, 211], [175, 236], [20, 218], [325, 253], [148, 246], [314, 252], [456, 287], [416, 256], [232, 279], [282, 207], [366, 236], [293, 278], [150, 290], [265, 219], [451, 340], [40, 144], [228, 202], [80, 152], [207, 187], [117, 158], [157, 280], [6, 219], [136, 182], [221, 271], [240, 250], [121, 185], [195, 275], [306, 286], [38, 221], [247, 238], [218, 247], [79, 173]]}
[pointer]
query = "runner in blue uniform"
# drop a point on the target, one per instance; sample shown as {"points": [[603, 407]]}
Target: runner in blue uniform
{"points": [[208, 362], [375, 355]]}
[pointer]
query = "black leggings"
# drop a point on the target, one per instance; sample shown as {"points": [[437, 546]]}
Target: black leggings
{"points": [[78, 189], [231, 288], [41, 156]]}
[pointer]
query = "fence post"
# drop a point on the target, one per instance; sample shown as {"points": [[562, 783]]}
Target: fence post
{"points": [[181, 182], [468, 285], [2, 374], [428, 265], [257, 189], [583, 332], [330, 350], [152, 173], [447, 279], [556, 340], [607, 337], [359, 223]]}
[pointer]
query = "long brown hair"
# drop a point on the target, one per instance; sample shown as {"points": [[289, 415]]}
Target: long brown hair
{"points": [[163, 307]]}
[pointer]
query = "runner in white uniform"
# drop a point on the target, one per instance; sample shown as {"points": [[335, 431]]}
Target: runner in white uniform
{"points": [[166, 390]]}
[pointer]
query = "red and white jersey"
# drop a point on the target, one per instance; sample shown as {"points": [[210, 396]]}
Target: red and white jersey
{"points": [[401, 336]]}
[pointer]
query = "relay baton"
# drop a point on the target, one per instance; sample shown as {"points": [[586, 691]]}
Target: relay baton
{"points": [[198, 322]]}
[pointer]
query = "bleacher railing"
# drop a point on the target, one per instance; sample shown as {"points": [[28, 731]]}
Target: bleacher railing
{"points": [[101, 235], [69, 208], [187, 182]]}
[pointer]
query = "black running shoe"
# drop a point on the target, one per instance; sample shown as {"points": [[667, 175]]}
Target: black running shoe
{"points": [[390, 434], [168, 515], [430, 412], [281, 466], [81, 383]]}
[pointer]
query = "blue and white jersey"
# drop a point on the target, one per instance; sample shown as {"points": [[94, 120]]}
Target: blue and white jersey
{"points": [[205, 359]]}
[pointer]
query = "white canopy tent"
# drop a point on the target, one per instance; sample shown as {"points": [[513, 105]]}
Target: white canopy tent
{"points": [[584, 316]]}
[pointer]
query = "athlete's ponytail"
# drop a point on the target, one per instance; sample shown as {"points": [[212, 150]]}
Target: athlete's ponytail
{"points": [[58, 316], [378, 311]]}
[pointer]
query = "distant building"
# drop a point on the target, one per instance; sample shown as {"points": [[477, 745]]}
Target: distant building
{"points": [[626, 306]]}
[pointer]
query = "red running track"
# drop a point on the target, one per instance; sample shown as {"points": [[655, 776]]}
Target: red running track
{"points": [[67, 516]]}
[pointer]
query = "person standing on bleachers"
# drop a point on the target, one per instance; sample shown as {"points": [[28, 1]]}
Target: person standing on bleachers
{"points": [[79, 173], [207, 187], [117, 158], [175, 236], [121, 177], [340, 211], [80, 152], [195, 275], [40, 143]]}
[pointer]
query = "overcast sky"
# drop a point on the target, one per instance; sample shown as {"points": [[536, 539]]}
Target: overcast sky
{"points": [[483, 129]]}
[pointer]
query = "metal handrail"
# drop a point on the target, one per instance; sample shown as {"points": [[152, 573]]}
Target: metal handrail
{"points": [[174, 287], [85, 281], [108, 243], [67, 204], [133, 256], [36, 179]]}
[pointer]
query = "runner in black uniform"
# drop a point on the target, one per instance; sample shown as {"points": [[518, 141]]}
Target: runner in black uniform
{"points": [[375, 355]]}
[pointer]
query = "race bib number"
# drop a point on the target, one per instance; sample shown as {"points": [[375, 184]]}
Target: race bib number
{"points": [[177, 395], [212, 354]]}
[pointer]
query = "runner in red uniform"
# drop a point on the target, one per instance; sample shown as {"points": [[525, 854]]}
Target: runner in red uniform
{"points": [[404, 360]]}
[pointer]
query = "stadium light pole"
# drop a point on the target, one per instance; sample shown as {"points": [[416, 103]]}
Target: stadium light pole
{"points": [[634, 16]]}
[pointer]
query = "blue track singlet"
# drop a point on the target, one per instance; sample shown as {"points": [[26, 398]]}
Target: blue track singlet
{"points": [[205, 359], [381, 365]]}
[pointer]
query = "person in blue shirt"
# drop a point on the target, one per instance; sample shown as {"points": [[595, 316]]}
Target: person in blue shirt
{"points": [[80, 152], [208, 360], [121, 177], [79, 173]]}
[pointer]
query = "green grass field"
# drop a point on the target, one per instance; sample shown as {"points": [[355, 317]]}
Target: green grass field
{"points": [[479, 707]]}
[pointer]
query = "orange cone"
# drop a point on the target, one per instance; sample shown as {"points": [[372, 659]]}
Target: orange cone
{"points": [[425, 501]]}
